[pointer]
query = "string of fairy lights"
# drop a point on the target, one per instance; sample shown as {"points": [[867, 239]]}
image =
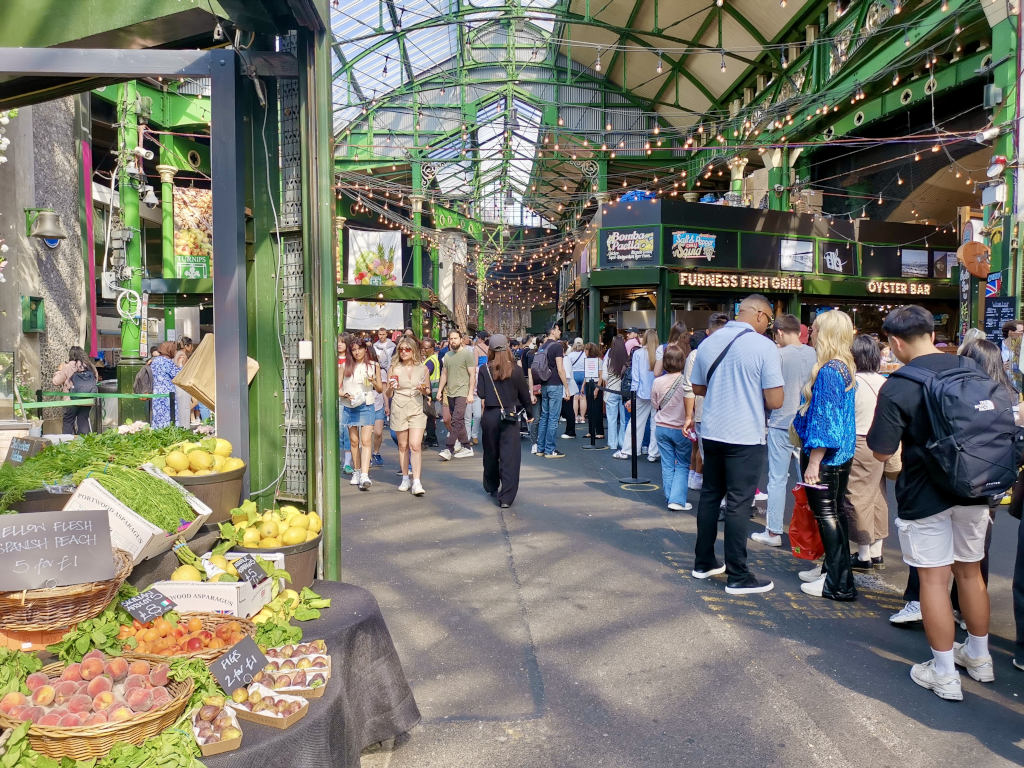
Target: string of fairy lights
{"points": [[524, 269]]}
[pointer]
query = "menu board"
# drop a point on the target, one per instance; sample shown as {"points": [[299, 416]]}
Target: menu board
{"points": [[997, 312], [54, 549]]}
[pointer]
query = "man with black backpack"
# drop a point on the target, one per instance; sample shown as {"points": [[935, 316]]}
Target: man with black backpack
{"points": [[960, 446], [548, 370]]}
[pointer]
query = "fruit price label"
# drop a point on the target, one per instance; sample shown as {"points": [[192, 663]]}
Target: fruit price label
{"points": [[54, 549], [148, 605], [237, 667], [250, 570]]}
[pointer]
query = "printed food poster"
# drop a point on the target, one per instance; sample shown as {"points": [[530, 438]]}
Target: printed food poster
{"points": [[370, 315], [796, 255], [374, 258], [193, 232], [915, 263]]}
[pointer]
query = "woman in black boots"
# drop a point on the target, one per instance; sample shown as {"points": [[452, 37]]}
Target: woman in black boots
{"points": [[826, 425]]}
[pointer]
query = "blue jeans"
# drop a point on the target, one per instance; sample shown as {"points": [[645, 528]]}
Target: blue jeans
{"points": [[550, 410], [616, 420], [675, 450], [781, 456]]}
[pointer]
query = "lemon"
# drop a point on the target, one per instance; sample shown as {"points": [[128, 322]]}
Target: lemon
{"points": [[218, 463], [251, 538], [199, 460], [223, 447], [269, 529], [232, 464], [315, 524], [185, 473], [176, 460], [199, 472], [169, 472], [186, 573], [310, 535], [159, 462], [220, 561], [298, 521], [270, 543], [293, 536]]}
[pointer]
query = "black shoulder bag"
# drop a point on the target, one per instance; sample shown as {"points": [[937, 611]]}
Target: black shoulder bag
{"points": [[511, 416]]}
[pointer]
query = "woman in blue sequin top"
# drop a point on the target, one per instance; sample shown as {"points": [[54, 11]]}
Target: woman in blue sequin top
{"points": [[826, 425]]}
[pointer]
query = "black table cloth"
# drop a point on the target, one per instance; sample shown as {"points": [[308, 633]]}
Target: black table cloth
{"points": [[367, 699]]}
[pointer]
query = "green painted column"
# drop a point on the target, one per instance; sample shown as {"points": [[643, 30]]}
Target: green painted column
{"points": [[481, 287], [131, 360], [435, 269], [593, 315], [417, 252], [736, 167], [663, 312], [1004, 38], [167, 172], [778, 176]]}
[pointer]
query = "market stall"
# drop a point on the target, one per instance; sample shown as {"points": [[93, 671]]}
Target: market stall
{"points": [[138, 622]]}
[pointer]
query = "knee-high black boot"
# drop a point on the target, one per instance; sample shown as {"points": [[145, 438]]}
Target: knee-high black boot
{"points": [[836, 566]]}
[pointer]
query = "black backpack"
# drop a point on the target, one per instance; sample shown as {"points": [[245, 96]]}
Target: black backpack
{"points": [[976, 448], [84, 381]]}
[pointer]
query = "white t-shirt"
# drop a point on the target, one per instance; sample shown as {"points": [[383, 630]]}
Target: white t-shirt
{"points": [[359, 386], [576, 358]]}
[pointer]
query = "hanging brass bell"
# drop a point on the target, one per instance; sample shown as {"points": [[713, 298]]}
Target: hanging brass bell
{"points": [[47, 226]]}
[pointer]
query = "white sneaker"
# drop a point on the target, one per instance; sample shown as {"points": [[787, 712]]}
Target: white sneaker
{"points": [[811, 574], [568, 437], [944, 687], [417, 488], [365, 482], [653, 459], [707, 574], [980, 669], [464, 453], [355, 478], [533, 448], [445, 455], [620, 455], [458, 447], [814, 588], [908, 614], [404, 485], [696, 482], [767, 538], [680, 507], [760, 496]]}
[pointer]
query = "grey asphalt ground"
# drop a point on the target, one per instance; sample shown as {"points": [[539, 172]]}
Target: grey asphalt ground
{"points": [[567, 631]]}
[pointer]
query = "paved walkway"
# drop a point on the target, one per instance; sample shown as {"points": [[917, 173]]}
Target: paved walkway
{"points": [[567, 631]]}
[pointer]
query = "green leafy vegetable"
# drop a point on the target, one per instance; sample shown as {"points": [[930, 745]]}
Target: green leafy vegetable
{"points": [[16, 752], [197, 671], [159, 502], [310, 604], [174, 748], [100, 632], [15, 666], [270, 634]]}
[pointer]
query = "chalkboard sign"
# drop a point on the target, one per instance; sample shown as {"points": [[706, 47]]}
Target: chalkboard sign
{"points": [[148, 605], [54, 549], [235, 669], [23, 448], [997, 312], [250, 570]]}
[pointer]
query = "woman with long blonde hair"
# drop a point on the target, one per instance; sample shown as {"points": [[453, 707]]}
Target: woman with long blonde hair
{"points": [[642, 361], [408, 383], [826, 425]]}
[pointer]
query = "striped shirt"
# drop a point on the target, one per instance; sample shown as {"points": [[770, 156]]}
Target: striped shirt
{"points": [[734, 403]]}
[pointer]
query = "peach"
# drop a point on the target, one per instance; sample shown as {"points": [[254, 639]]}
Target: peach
{"points": [[119, 713], [64, 691], [12, 700], [136, 681], [99, 684], [103, 701], [117, 668], [70, 720], [94, 654], [80, 703], [96, 718], [43, 695], [72, 672], [18, 713], [36, 680], [60, 711], [160, 674], [50, 718], [92, 668], [160, 696], [139, 699], [35, 714], [140, 667]]}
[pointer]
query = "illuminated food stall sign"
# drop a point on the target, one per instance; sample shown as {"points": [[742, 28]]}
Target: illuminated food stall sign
{"points": [[899, 288], [742, 281]]}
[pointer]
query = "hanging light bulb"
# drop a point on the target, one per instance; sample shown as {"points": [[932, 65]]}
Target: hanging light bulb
{"points": [[723, 61], [957, 29], [899, 180], [659, 69], [719, 3], [895, 79], [784, 62], [597, 64], [945, 6], [906, 38], [782, 3], [879, 199], [897, 8], [608, 125]]}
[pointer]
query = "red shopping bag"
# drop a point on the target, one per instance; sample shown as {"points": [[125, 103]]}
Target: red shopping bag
{"points": [[804, 536]]}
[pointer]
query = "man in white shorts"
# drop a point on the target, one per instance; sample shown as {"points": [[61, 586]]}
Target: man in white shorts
{"points": [[939, 532]]}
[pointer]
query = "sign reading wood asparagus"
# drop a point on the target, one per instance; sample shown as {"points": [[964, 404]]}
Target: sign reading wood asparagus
{"points": [[54, 549]]}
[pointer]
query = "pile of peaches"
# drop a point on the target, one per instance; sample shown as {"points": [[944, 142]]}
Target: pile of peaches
{"points": [[161, 637], [98, 690]]}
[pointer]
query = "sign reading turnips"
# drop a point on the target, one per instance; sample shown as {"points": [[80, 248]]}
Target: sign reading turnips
{"points": [[630, 247]]}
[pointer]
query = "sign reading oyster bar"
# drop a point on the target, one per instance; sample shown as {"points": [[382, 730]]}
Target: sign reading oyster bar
{"points": [[630, 246], [738, 280]]}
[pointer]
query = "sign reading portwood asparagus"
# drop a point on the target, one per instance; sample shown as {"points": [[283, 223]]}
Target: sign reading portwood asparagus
{"points": [[738, 280]]}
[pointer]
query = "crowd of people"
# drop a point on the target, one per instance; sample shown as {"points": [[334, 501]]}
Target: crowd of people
{"points": [[719, 408]]}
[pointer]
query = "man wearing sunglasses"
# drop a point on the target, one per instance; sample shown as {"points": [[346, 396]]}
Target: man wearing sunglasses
{"points": [[738, 371]]}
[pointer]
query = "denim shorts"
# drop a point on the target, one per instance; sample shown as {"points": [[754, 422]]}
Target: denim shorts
{"points": [[378, 415], [360, 416]]}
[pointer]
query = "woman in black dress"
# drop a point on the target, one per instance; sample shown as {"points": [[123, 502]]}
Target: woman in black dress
{"points": [[501, 387]]}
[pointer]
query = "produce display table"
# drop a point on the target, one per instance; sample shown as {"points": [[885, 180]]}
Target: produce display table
{"points": [[367, 699]]}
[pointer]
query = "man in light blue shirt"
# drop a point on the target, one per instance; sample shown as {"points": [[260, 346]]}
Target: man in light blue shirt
{"points": [[739, 372]]}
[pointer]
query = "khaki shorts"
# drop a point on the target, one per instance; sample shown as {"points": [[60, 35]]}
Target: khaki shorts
{"points": [[954, 535], [410, 416]]}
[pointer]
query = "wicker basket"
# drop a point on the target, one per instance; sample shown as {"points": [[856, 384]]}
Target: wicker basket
{"points": [[210, 623], [88, 741], [61, 607]]}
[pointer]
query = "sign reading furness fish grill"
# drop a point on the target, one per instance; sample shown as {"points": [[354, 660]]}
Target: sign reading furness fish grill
{"points": [[638, 247]]}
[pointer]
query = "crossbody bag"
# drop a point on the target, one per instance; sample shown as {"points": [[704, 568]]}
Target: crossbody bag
{"points": [[671, 392], [511, 416]]}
